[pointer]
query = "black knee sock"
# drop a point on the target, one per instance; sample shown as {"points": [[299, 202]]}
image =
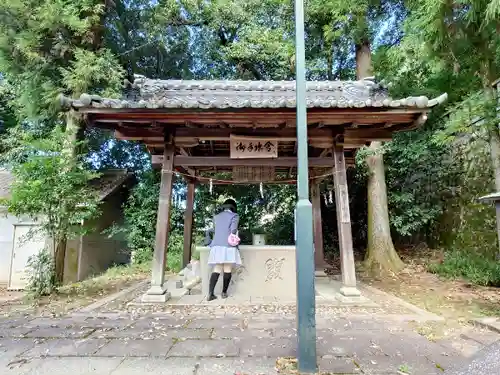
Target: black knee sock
{"points": [[213, 282], [227, 280]]}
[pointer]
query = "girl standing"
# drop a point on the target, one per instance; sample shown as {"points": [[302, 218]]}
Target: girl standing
{"points": [[224, 253]]}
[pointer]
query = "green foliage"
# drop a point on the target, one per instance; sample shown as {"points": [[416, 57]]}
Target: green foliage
{"points": [[467, 223], [48, 184], [7, 115], [53, 47], [139, 227], [468, 264], [417, 174], [140, 218], [175, 251], [41, 274]]}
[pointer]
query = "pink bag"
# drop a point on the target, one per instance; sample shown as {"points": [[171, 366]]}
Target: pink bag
{"points": [[233, 240]]}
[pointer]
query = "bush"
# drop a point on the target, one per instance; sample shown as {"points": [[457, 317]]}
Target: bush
{"points": [[471, 266], [139, 226], [174, 252], [41, 274]]}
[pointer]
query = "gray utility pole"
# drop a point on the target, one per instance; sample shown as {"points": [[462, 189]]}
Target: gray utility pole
{"points": [[306, 302]]}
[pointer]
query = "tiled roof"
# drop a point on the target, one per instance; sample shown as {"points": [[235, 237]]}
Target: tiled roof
{"points": [[109, 181], [146, 93]]}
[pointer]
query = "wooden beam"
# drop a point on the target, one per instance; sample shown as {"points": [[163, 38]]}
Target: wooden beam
{"points": [[188, 222], [362, 135], [221, 161], [336, 119], [344, 224], [211, 162], [286, 134], [157, 290], [319, 255], [223, 114], [185, 171]]}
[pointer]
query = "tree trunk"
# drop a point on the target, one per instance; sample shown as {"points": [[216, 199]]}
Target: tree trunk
{"points": [[74, 134], [59, 257], [493, 118], [495, 154], [363, 60], [381, 255]]}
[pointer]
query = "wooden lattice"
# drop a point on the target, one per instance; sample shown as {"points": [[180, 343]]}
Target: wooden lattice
{"points": [[253, 174]]}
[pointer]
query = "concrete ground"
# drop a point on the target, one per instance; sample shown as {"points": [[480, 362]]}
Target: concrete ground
{"points": [[212, 343]]}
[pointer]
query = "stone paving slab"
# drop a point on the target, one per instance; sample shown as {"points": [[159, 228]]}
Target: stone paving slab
{"points": [[10, 348], [390, 365], [491, 322], [216, 344], [135, 348], [66, 347], [338, 365], [161, 321], [226, 366], [148, 334], [216, 323], [484, 337], [157, 366], [103, 323], [15, 331], [59, 332], [271, 348], [66, 322], [123, 333], [466, 348], [205, 348], [71, 366], [238, 333]]}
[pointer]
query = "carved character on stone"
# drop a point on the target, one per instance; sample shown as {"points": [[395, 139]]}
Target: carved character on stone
{"points": [[239, 272], [273, 266]]}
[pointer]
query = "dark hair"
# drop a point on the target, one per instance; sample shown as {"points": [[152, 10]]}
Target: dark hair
{"points": [[229, 204]]}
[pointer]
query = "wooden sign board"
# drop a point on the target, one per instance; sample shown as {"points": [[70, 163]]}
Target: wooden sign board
{"points": [[252, 147], [253, 174]]}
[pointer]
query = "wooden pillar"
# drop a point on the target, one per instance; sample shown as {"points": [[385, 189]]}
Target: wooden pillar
{"points": [[319, 255], [188, 222], [348, 288], [158, 292]]}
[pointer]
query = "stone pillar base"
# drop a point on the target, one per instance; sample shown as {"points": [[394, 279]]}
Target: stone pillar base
{"points": [[320, 273], [350, 291], [352, 300], [156, 294], [350, 294]]}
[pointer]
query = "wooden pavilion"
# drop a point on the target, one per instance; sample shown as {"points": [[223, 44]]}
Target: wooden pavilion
{"points": [[199, 128]]}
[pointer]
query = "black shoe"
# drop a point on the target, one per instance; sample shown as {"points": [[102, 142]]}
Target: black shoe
{"points": [[224, 295], [211, 297]]}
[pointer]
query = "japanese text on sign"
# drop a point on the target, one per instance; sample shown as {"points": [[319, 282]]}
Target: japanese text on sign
{"points": [[252, 147]]}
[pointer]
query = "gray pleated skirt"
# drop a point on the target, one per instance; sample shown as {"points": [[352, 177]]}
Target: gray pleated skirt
{"points": [[224, 255]]}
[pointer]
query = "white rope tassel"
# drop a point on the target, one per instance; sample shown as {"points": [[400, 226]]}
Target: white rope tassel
{"points": [[331, 197], [326, 199], [261, 191], [211, 187]]}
